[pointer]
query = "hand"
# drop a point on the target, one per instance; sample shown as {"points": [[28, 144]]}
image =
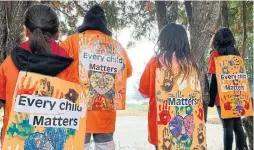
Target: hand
{"points": [[83, 102], [166, 140], [224, 68], [247, 105], [97, 103], [22, 89], [227, 104], [164, 113], [201, 113], [234, 61], [201, 137], [118, 99], [58, 95], [247, 101]]}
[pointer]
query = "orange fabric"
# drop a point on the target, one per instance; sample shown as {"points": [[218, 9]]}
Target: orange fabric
{"points": [[8, 78], [147, 87], [97, 121], [211, 63], [212, 70]]}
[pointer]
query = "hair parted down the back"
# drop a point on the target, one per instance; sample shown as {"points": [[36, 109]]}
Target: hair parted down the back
{"points": [[43, 22]]}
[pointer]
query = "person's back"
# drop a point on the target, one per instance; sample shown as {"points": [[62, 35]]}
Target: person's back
{"points": [[41, 54], [99, 80], [224, 44], [172, 68]]}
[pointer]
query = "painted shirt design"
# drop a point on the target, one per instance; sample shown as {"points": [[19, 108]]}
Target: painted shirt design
{"points": [[233, 87], [102, 72], [47, 114], [180, 115]]}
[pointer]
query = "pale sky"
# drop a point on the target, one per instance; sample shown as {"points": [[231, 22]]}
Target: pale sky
{"points": [[140, 53]]}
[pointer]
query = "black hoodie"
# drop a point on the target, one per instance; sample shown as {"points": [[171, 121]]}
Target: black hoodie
{"points": [[95, 19], [46, 64]]}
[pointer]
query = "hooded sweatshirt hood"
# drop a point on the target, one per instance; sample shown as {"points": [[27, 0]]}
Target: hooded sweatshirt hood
{"points": [[95, 19], [46, 64]]}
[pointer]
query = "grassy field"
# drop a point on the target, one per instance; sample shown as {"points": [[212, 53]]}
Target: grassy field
{"points": [[134, 110]]}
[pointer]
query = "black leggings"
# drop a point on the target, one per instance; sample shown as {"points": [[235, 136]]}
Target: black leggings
{"points": [[230, 125]]}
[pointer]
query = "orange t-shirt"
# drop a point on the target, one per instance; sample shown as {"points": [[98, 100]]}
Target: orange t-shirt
{"points": [[147, 87], [212, 70], [8, 78], [97, 121]]}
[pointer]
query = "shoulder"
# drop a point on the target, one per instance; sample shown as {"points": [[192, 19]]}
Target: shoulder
{"points": [[70, 40], [152, 64], [214, 53], [71, 44], [73, 37], [7, 62], [7, 65]]}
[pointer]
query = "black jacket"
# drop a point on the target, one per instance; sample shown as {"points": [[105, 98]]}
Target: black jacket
{"points": [[213, 90], [46, 64]]}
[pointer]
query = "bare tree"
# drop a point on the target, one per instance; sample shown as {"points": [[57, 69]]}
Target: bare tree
{"points": [[165, 16], [11, 21], [224, 14], [202, 17], [244, 44]]}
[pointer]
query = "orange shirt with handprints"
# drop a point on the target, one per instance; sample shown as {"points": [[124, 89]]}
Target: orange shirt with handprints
{"points": [[97, 121]]}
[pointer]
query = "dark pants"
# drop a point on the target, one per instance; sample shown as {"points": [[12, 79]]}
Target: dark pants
{"points": [[230, 125], [156, 147]]}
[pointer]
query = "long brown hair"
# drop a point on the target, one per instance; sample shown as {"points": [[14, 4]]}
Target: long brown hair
{"points": [[173, 39]]}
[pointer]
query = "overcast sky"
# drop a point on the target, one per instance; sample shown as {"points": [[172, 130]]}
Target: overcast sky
{"points": [[140, 53]]}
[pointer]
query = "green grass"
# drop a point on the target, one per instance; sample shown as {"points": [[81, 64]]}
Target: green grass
{"points": [[134, 110], [212, 111]]}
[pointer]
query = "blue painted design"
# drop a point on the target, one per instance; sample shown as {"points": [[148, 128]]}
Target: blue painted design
{"points": [[38, 141], [57, 136]]}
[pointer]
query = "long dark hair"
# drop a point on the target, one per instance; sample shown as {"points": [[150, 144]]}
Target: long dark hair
{"points": [[173, 38], [43, 22], [224, 42]]}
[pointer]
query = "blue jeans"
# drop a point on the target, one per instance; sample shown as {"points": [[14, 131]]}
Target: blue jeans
{"points": [[230, 125]]}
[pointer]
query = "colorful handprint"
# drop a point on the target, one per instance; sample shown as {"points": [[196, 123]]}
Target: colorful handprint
{"points": [[97, 102], [166, 139], [164, 114], [26, 89]]}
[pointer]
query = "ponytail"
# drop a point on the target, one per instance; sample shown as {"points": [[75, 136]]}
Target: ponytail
{"points": [[38, 42], [43, 22]]}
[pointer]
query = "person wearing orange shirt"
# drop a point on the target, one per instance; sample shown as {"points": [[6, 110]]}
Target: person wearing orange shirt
{"points": [[224, 44], [94, 36], [173, 51], [40, 54]]}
